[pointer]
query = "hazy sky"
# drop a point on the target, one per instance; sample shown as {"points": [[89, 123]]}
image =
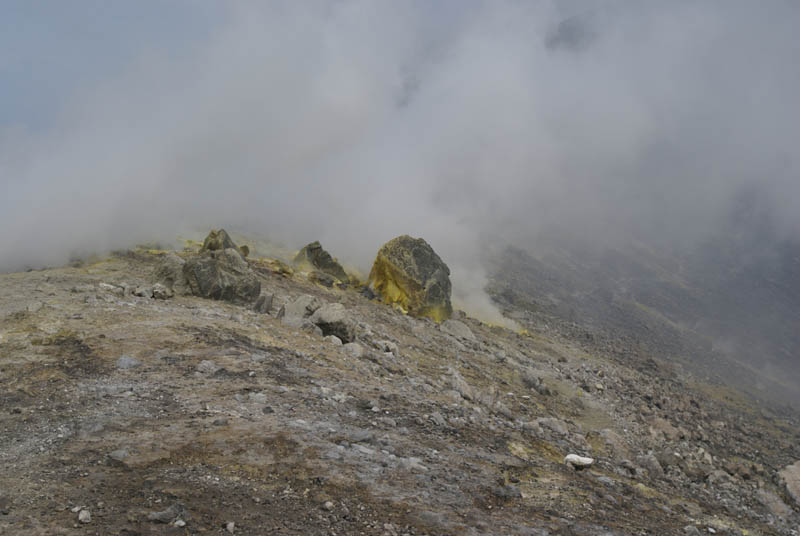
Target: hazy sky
{"points": [[355, 121]]}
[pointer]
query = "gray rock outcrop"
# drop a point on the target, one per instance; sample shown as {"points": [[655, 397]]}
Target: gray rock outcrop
{"points": [[315, 256], [222, 275]]}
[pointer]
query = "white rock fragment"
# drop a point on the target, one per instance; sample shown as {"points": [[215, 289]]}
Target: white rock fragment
{"points": [[84, 516], [578, 462]]}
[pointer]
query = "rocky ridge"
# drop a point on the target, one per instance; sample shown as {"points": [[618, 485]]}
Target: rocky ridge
{"points": [[129, 407]]}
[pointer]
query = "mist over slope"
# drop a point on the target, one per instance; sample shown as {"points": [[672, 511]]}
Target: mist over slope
{"points": [[352, 122]]}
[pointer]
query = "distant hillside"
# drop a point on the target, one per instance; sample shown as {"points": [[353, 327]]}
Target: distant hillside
{"points": [[728, 307]]}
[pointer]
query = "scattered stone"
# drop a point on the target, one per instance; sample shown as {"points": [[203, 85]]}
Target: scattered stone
{"points": [[179, 523], [207, 367], [327, 506], [34, 307], [353, 349], [333, 339], [230, 526], [315, 256], [333, 319], [662, 428], [651, 464], [85, 516], [127, 362], [457, 329], [774, 503], [438, 419], [578, 462], [507, 492], [460, 385], [169, 515], [119, 457], [86, 287], [162, 292], [264, 303], [554, 425], [387, 346], [409, 274]]}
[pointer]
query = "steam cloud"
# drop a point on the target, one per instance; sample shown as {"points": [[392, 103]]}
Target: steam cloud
{"points": [[462, 122]]}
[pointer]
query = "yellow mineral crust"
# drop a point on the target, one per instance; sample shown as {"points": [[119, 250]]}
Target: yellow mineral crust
{"points": [[409, 275]]}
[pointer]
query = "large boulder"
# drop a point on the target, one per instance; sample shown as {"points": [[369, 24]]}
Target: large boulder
{"points": [[315, 256], [222, 275], [409, 274]]}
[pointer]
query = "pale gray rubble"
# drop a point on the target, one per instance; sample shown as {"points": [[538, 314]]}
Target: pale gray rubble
{"points": [[194, 414]]}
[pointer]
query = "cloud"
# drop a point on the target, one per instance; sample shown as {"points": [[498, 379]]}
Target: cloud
{"points": [[356, 121]]}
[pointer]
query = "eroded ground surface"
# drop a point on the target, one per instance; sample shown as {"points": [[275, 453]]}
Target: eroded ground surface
{"points": [[191, 416]]}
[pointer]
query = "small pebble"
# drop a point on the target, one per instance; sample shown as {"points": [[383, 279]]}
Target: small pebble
{"points": [[328, 506], [230, 526]]}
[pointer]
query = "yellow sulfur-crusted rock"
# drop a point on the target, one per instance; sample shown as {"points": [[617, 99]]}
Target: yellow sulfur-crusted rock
{"points": [[408, 274]]}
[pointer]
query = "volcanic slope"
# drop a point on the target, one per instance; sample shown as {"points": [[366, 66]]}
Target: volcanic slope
{"points": [[125, 414]]}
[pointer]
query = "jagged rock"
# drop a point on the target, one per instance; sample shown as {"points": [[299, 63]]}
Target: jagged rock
{"points": [[314, 255], [333, 319], [790, 475], [218, 240], [222, 275], [170, 274], [457, 329], [302, 307], [409, 274], [264, 303]]}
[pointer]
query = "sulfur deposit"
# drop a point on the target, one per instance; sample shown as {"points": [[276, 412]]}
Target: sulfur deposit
{"points": [[408, 274]]}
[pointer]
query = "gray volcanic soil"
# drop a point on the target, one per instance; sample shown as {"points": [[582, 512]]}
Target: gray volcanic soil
{"points": [[129, 415]]}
